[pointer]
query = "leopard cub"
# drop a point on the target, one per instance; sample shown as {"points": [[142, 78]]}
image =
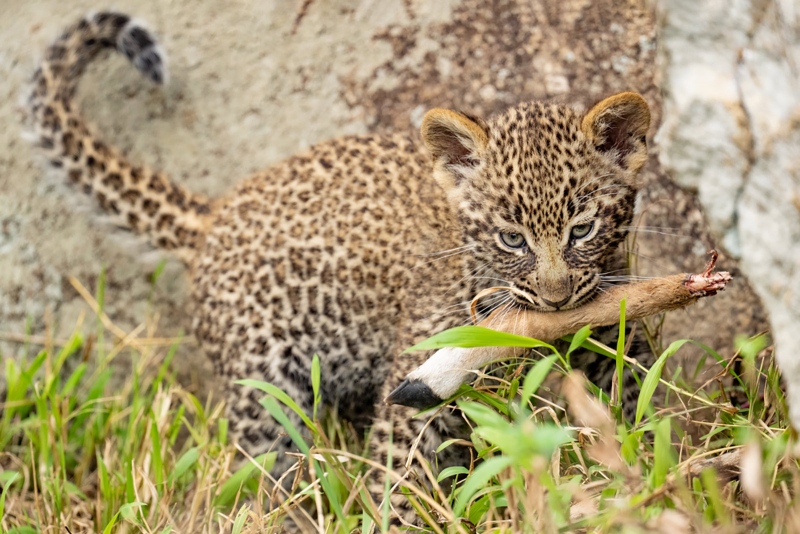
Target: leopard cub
{"points": [[358, 247]]}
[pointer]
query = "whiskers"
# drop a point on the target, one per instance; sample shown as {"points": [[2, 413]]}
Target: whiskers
{"points": [[450, 250], [611, 279], [613, 187], [505, 301], [659, 230], [449, 253], [475, 279], [486, 307], [623, 278]]}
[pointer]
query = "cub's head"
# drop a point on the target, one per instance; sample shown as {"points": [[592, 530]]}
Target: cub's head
{"points": [[543, 193]]}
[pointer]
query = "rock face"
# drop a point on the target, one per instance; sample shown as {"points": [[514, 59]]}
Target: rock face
{"points": [[253, 82], [730, 71]]}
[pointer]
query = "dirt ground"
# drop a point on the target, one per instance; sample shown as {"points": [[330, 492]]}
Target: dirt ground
{"points": [[252, 81]]}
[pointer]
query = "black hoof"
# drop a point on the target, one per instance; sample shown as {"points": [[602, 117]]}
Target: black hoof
{"points": [[414, 394]]}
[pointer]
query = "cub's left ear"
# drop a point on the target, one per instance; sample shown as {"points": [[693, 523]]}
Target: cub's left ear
{"points": [[618, 127]]}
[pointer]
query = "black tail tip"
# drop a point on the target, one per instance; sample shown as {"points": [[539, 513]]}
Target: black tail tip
{"points": [[151, 64], [140, 47], [414, 394]]}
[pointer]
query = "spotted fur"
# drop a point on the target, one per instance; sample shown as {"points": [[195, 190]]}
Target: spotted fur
{"points": [[358, 247]]}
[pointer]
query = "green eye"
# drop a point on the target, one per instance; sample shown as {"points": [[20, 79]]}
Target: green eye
{"points": [[512, 239], [581, 230]]}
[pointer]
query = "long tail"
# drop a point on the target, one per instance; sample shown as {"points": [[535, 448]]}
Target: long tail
{"points": [[134, 196]]}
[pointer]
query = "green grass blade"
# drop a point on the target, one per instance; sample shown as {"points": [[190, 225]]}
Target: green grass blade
{"points": [[278, 414], [653, 376], [483, 415], [479, 509], [100, 297], [578, 339], [158, 461], [105, 490], [387, 487], [536, 376], [620, 355], [131, 511], [714, 495], [232, 487], [315, 382], [111, 523], [186, 461], [452, 471], [74, 379], [366, 523], [164, 367], [238, 523], [157, 272], [279, 394], [663, 457], [5, 491], [478, 479], [222, 431], [476, 336], [446, 444]]}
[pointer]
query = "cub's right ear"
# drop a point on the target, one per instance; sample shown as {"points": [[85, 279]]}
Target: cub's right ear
{"points": [[456, 142], [617, 126]]}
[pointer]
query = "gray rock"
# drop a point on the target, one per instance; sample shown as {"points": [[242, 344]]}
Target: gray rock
{"points": [[731, 131]]}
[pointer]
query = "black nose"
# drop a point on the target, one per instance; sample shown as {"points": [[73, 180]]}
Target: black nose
{"points": [[558, 304]]}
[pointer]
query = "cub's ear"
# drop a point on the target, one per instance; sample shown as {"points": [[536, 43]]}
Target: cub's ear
{"points": [[618, 126], [456, 143]]}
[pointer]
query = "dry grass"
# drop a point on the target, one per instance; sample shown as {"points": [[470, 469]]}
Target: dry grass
{"points": [[86, 446]]}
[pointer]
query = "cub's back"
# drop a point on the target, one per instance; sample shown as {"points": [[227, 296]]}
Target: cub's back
{"points": [[318, 255]]}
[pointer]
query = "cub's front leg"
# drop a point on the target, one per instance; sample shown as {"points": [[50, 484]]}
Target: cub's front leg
{"points": [[411, 437]]}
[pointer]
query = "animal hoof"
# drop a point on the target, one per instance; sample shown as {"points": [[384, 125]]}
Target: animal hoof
{"points": [[414, 394]]}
